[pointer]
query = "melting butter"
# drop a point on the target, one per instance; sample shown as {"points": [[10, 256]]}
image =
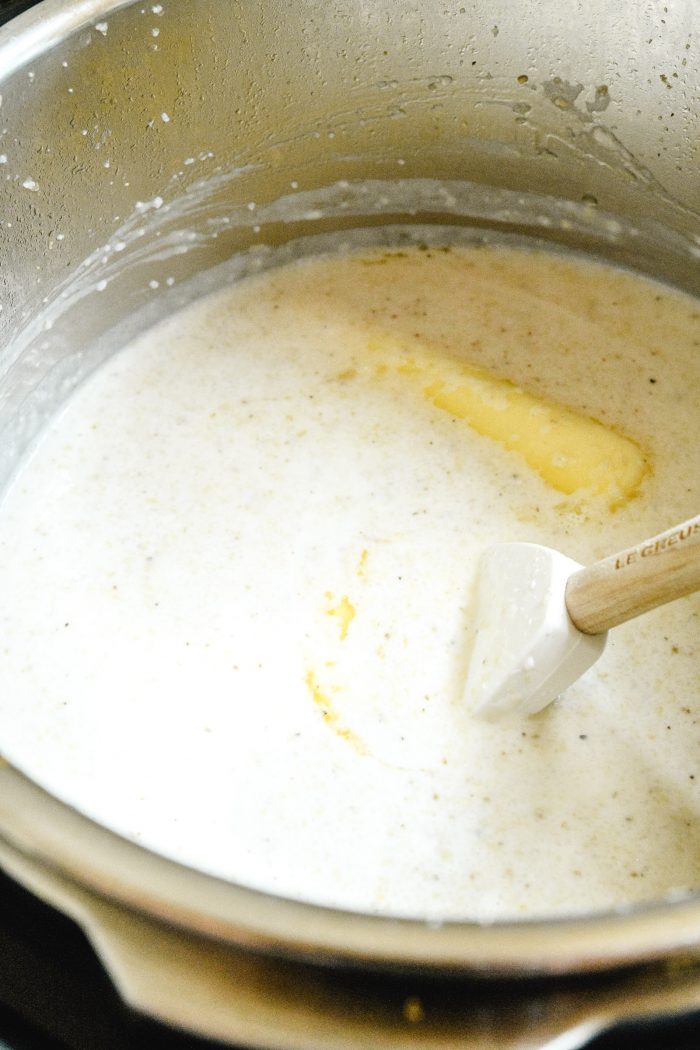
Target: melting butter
{"points": [[322, 699], [572, 453], [344, 612]]}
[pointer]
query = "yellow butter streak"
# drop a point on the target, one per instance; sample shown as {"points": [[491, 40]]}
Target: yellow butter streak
{"points": [[570, 451], [344, 612], [331, 717]]}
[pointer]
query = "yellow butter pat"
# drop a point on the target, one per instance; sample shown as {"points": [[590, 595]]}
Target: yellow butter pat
{"points": [[570, 451]]}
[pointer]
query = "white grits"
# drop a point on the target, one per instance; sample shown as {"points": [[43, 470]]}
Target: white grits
{"points": [[236, 590]]}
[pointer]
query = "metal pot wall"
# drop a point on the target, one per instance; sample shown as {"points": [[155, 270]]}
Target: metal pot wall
{"points": [[141, 146]]}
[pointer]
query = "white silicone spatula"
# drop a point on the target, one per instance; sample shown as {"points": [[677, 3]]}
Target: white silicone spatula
{"points": [[542, 619]]}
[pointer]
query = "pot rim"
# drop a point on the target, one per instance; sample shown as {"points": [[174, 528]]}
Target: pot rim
{"points": [[50, 22], [90, 855]]}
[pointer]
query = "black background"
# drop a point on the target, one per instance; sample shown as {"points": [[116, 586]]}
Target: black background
{"points": [[10, 8]]}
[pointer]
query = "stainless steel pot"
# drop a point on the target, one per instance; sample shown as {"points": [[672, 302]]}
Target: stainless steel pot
{"points": [[143, 144]]}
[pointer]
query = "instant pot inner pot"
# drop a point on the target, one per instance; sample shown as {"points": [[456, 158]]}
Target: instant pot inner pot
{"points": [[149, 150]]}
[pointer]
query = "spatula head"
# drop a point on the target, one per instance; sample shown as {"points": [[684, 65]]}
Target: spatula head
{"points": [[526, 650]]}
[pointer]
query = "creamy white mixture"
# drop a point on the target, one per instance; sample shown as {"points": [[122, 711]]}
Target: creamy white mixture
{"points": [[236, 589]]}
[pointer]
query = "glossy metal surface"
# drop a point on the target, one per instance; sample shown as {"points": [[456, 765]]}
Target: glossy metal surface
{"points": [[144, 143]]}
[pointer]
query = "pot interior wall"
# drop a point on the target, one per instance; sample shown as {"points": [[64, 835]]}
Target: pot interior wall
{"points": [[143, 144]]}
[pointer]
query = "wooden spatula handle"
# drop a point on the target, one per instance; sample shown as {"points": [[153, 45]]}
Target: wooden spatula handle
{"points": [[620, 587]]}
